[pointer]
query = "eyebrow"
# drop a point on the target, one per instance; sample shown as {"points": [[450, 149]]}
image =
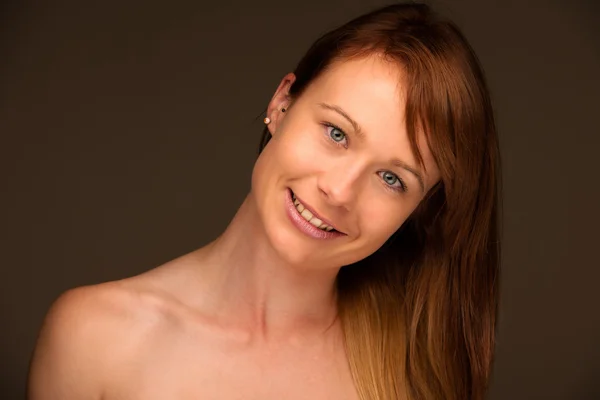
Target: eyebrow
{"points": [[412, 170], [357, 129], [337, 109]]}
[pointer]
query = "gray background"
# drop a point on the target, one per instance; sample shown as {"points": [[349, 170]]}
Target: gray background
{"points": [[129, 130]]}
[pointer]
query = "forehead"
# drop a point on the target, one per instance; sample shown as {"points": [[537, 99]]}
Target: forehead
{"points": [[372, 91], [369, 88], [372, 75]]}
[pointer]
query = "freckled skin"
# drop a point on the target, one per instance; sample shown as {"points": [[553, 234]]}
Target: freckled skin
{"points": [[252, 314]]}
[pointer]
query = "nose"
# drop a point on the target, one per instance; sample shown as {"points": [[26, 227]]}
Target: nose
{"points": [[339, 184]]}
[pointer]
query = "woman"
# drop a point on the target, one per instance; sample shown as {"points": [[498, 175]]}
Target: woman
{"points": [[363, 264]]}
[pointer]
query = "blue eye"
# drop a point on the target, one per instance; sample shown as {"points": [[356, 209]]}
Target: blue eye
{"points": [[391, 179], [336, 135]]}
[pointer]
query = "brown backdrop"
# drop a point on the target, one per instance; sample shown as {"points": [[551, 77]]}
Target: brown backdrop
{"points": [[129, 132]]}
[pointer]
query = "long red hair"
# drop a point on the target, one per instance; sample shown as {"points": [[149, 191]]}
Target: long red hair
{"points": [[419, 315]]}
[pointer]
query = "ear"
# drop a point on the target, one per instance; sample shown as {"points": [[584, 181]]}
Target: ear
{"points": [[281, 100]]}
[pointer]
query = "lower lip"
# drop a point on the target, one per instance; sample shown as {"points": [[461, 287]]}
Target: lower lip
{"points": [[303, 225]]}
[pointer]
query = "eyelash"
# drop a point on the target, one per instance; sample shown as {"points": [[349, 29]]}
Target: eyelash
{"points": [[395, 189]]}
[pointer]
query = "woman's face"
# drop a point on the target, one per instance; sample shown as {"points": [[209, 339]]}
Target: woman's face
{"points": [[342, 148]]}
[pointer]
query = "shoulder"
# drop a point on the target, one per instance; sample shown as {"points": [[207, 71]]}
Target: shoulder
{"points": [[87, 334]]}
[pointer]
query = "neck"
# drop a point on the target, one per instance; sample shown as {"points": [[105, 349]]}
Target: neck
{"points": [[244, 277]]}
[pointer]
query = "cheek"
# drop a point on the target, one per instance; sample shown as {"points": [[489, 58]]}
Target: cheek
{"points": [[376, 227], [299, 150], [293, 152], [382, 218]]}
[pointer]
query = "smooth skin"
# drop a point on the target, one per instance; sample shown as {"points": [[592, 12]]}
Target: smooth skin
{"points": [[252, 315]]}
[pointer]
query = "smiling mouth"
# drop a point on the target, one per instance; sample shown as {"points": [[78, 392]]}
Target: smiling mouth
{"points": [[310, 216]]}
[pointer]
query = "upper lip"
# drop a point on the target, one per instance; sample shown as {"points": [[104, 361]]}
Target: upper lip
{"points": [[316, 214]]}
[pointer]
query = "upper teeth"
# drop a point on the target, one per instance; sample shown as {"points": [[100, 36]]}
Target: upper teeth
{"points": [[307, 215]]}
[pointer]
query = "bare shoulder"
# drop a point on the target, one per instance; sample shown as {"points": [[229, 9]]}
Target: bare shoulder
{"points": [[88, 333]]}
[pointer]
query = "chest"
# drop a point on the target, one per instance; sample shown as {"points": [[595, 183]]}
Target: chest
{"points": [[182, 372]]}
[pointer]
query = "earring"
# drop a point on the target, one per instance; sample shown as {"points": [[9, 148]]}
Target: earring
{"points": [[283, 110], [267, 120]]}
